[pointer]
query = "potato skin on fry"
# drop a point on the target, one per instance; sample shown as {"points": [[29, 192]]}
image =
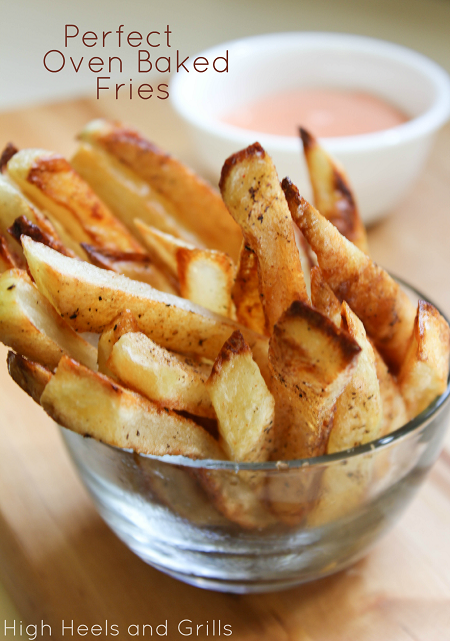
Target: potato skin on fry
{"points": [[245, 293], [251, 191], [385, 310]]}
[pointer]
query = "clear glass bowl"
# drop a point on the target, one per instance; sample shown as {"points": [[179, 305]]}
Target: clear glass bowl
{"points": [[326, 512]]}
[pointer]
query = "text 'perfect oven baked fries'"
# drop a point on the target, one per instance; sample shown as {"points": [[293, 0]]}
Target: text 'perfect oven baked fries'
{"points": [[218, 339]]}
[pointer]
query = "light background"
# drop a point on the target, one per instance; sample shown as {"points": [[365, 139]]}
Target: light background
{"points": [[30, 28]]}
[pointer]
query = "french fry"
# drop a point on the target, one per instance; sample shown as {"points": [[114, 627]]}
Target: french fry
{"points": [[252, 193], [51, 183], [30, 325], [90, 298], [245, 293], [197, 205], [205, 276], [113, 414], [358, 415], [134, 265], [142, 365], [30, 376], [385, 310], [312, 361], [333, 196], [424, 372], [7, 153], [127, 195], [323, 298], [244, 406]]}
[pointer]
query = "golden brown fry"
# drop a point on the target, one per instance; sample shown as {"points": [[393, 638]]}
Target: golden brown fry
{"points": [[198, 207], [252, 193], [142, 365], [312, 361], [358, 415], [51, 183], [28, 375], [136, 266], [424, 372], [110, 413], [385, 310], [30, 325], [323, 298], [205, 276], [245, 294], [244, 406], [90, 298], [333, 195]]}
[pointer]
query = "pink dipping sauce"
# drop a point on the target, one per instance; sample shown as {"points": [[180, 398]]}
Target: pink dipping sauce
{"points": [[324, 112]]}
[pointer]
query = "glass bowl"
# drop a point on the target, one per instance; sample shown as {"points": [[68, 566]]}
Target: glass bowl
{"points": [[208, 522]]}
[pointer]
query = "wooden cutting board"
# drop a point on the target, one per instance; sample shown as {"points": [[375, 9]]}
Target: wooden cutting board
{"points": [[59, 561]]}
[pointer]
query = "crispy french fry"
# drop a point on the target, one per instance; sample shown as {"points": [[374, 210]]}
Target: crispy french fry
{"points": [[323, 298], [28, 375], [197, 205], [51, 183], [140, 364], [312, 361], [205, 276], [30, 325], [134, 265], [385, 310], [244, 406], [245, 293], [7, 153], [113, 414], [252, 193], [424, 372], [90, 298], [333, 196], [358, 415]]}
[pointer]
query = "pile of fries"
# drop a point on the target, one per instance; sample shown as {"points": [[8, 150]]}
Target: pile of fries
{"points": [[264, 335]]}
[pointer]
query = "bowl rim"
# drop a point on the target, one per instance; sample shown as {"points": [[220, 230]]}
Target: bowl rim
{"points": [[424, 124], [410, 428]]}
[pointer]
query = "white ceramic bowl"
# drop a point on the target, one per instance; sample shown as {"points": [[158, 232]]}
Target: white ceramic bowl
{"points": [[381, 166]]}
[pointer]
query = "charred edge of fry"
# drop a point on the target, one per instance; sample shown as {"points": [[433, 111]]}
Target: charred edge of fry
{"points": [[235, 159], [53, 164], [307, 140], [102, 257], [291, 191], [24, 227], [31, 377], [347, 345], [234, 346], [9, 151], [125, 135]]}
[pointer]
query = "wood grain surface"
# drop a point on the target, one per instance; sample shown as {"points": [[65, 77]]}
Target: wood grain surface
{"points": [[58, 560]]}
